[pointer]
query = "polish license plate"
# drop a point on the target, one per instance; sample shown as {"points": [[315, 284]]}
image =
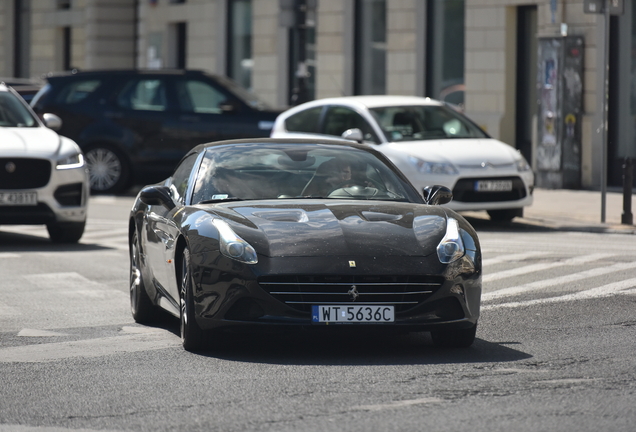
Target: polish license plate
{"points": [[18, 198], [493, 185], [352, 314]]}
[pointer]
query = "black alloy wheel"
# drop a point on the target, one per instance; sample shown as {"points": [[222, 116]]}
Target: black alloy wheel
{"points": [[140, 304], [66, 232], [191, 333], [454, 338], [108, 170], [506, 215]]}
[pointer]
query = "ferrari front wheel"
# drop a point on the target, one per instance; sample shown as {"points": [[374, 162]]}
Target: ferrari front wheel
{"points": [[191, 333], [140, 304]]}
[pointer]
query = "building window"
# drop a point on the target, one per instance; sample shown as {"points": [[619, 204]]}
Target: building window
{"points": [[21, 36], [63, 4], [445, 50], [178, 45], [66, 48], [302, 55], [370, 42], [239, 61]]}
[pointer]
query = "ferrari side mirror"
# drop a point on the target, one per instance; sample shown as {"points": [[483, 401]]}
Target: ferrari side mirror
{"points": [[157, 195], [437, 195]]}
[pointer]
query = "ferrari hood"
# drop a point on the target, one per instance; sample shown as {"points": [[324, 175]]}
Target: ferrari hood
{"points": [[31, 141], [458, 151], [339, 228]]}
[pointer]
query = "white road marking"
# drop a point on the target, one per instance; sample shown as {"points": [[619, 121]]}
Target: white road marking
{"points": [[624, 287], [562, 280], [21, 428], [8, 255], [398, 404], [544, 266], [39, 333], [89, 348], [512, 257]]}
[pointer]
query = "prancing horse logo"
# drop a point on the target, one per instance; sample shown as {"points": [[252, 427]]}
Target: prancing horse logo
{"points": [[353, 292]]}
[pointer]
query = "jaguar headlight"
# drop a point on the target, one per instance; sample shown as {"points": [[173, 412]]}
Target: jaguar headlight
{"points": [[232, 246], [75, 160], [427, 167], [451, 248]]}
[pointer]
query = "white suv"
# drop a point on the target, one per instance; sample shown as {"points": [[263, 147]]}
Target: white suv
{"points": [[430, 142], [43, 177]]}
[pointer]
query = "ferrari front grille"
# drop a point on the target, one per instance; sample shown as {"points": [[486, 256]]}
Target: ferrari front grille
{"points": [[301, 292]]}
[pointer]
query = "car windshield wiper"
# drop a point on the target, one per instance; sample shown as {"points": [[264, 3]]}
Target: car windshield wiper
{"points": [[221, 199]]}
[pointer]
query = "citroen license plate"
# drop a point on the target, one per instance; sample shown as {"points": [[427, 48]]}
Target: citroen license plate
{"points": [[493, 185], [18, 198], [352, 314]]}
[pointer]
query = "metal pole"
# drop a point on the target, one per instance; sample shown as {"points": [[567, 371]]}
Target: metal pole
{"points": [[606, 13], [627, 218]]}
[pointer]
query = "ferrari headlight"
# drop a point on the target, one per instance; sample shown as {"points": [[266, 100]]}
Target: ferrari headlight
{"points": [[427, 167], [232, 246], [451, 248], [75, 160]]}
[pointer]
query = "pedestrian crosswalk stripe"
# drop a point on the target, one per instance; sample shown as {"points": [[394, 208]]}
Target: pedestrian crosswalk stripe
{"points": [[544, 266], [561, 280], [627, 286]]}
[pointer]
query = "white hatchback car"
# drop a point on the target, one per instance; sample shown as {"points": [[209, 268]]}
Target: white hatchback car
{"points": [[430, 142], [43, 177]]}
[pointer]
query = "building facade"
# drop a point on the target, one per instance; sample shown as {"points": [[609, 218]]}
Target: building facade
{"points": [[530, 72]]}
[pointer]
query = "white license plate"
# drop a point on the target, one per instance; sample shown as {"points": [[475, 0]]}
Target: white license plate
{"points": [[493, 186], [352, 314], [18, 198]]}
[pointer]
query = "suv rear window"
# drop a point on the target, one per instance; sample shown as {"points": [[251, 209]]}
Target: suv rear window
{"points": [[77, 91]]}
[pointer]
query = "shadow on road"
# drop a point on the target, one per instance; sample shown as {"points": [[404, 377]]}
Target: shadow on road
{"points": [[517, 225], [352, 348], [16, 242]]}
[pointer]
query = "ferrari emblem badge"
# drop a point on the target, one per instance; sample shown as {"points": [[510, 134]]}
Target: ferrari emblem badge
{"points": [[352, 264], [353, 292]]}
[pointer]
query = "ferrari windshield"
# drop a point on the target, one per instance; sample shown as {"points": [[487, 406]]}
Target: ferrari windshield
{"points": [[254, 171], [424, 122]]}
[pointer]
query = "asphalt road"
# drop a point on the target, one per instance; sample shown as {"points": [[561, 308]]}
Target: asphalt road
{"points": [[555, 349]]}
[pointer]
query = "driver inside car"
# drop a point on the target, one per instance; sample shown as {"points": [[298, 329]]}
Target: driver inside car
{"points": [[329, 176]]}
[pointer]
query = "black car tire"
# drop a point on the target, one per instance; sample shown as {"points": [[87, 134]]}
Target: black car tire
{"points": [[191, 333], [454, 338], [66, 232], [141, 307], [505, 215], [108, 169]]}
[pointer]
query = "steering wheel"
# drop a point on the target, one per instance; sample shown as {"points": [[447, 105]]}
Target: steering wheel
{"points": [[355, 191]]}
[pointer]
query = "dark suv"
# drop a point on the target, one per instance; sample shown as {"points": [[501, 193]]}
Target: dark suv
{"points": [[135, 125]]}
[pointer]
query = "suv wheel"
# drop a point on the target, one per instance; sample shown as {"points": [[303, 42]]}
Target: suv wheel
{"points": [[107, 168]]}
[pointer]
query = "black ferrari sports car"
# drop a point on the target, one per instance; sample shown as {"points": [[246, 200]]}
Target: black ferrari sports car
{"points": [[280, 232]]}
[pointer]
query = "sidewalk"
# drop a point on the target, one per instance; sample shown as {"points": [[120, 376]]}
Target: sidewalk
{"points": [[574, 210]]}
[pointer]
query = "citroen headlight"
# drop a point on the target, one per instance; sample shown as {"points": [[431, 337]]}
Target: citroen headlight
{"points": [[451, 248], [522, 165], [75, 160], [232, 246], [427, 167]]}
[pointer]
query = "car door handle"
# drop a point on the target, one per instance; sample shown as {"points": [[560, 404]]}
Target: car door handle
{"points": [[113, 114], [189, 118]]}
